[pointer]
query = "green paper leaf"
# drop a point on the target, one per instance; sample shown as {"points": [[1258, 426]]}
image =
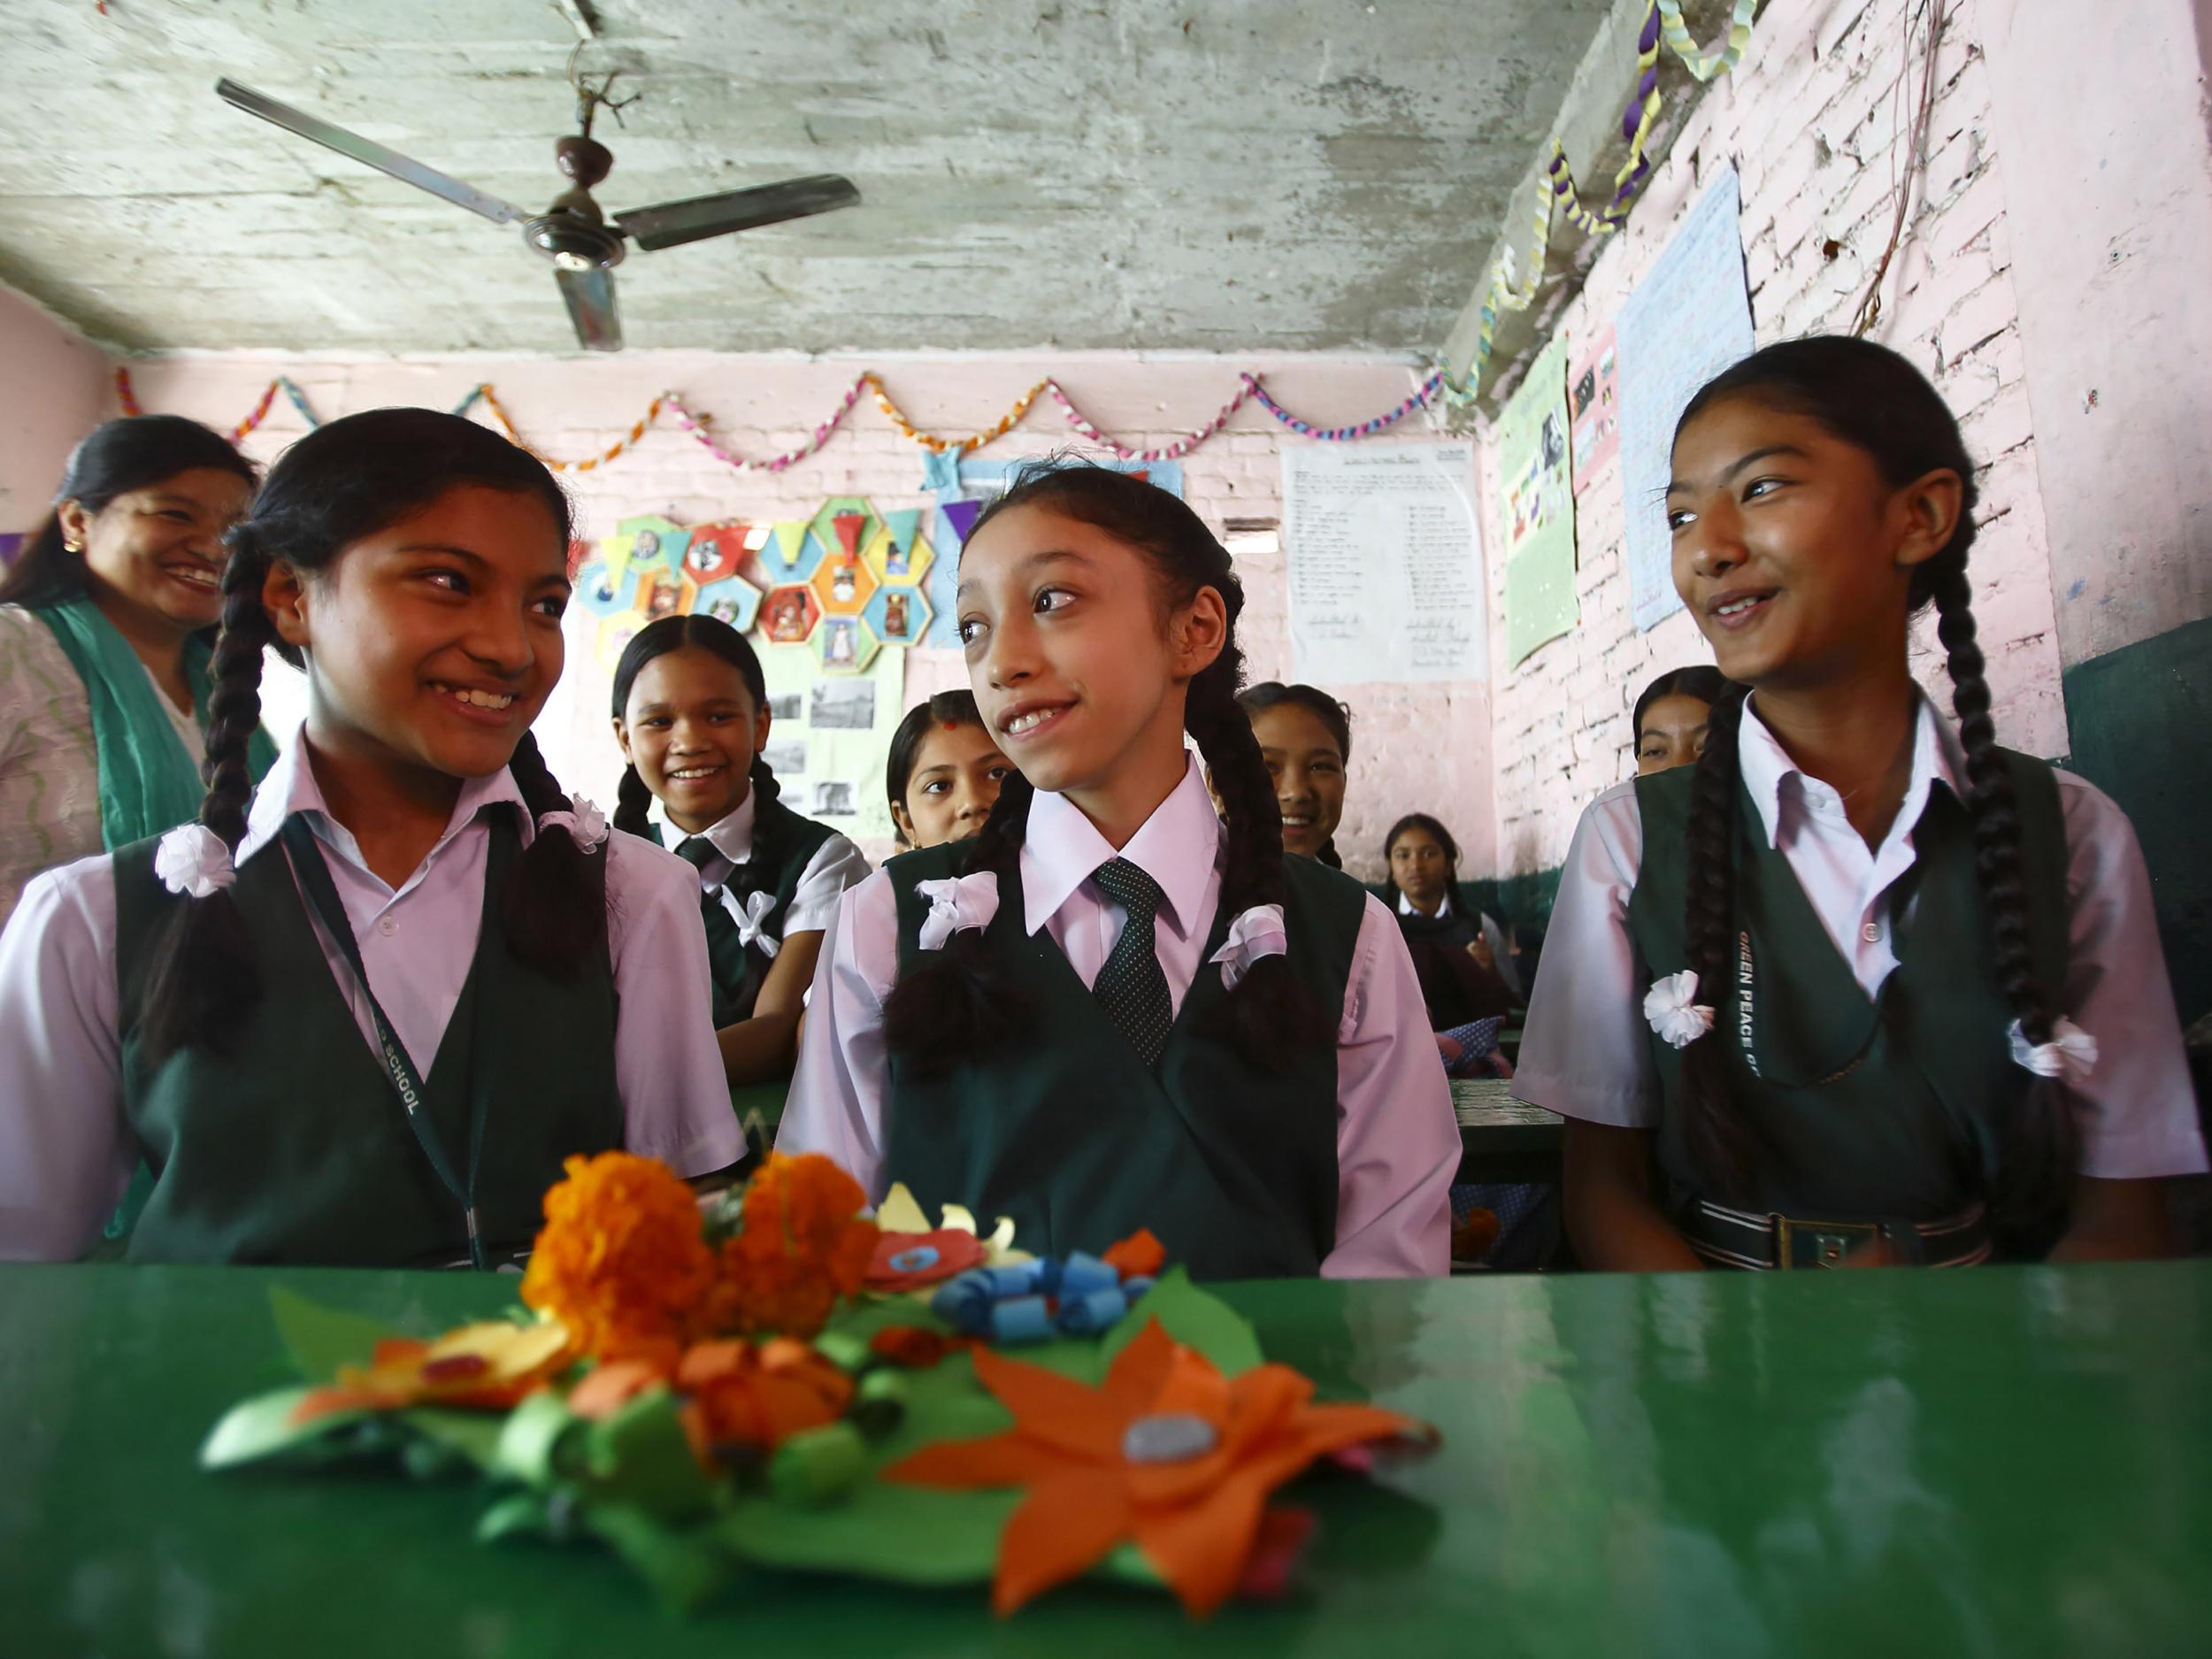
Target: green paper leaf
{"points": [[472, 1434], [686, 1567], [907, 1534], [642, 1456], [263, 1427], [321, 1340], [518, 1515], [530, 1439], [1195, 1318]]}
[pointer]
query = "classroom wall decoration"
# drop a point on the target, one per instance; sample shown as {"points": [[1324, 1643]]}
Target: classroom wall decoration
{"points": [[830, 732], [1593, 403], [1537, 507], [843, 584], [1687, 321]]}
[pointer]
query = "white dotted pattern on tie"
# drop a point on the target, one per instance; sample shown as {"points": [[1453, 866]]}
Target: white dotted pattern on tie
{"points": [[1132, 987]]}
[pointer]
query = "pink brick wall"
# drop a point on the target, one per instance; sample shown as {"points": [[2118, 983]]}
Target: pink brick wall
{"points": [[53, 387], [1810, 120], [1425, 747]]}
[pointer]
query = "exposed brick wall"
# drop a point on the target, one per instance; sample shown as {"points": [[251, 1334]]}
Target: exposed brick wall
{"points": [[1811, 119]]}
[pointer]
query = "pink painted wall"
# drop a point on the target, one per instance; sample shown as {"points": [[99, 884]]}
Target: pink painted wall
{"points": [[1413, 747], [53, 390], [1809, 119]]}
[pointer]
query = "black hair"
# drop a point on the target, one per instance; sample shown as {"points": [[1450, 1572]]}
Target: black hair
{"points": [[1875, 400], [117, 458], [1335, 717], [1702, 681], [341, 482], [957, 1005], [946, 708], [1436, 832], [633, 800]]}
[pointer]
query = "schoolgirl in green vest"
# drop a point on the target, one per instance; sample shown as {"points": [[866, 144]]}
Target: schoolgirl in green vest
{"points": [[360, 1016], [943, 772], [1853, 989], [1112, 1009], [691, 714], [107, 620]]}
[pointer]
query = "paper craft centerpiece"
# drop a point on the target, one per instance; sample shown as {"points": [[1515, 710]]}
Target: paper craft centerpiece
{"points": [[779, 1381]]}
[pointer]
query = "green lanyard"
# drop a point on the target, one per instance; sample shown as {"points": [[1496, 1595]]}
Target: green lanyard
{"points": [[314, 874]]}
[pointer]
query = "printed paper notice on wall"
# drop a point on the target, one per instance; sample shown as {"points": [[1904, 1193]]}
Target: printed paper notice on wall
{"points": [[1594, 400], [830, 734], [1386, 563], [1687, 321], [1538, 510]]}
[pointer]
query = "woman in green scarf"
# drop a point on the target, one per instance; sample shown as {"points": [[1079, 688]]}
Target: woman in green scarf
{"points": [[106, 622]]}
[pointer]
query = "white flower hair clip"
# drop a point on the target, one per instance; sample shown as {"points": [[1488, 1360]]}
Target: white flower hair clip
{"points": [[751, 918], [1674, 1011], [586, 824], [193, 858], [2070, 1054], [956, 904], [1258, 932]]}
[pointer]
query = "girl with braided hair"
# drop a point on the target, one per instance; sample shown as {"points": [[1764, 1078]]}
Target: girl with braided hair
{"points": [[1855, 989], [360, 1015], [691, 714], [1111, 1010]]}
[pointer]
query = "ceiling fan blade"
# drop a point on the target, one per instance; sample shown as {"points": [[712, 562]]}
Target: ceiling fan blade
{"points": [[369, 151], [701, 216], [590, 297]]}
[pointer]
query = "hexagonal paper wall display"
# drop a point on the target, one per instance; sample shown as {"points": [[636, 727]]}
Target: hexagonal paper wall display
{"points": [[900, 616], [715, 552], [601, 590], [615, 634], [900, 560], [844, 588], [653, 540], [788, 614], [790, 553], [844, 645], [845, 525], [732, 599], [662, 593]]}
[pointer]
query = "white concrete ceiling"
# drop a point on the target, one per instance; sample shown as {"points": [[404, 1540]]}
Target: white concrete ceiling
{"points": [[1163, 174]]}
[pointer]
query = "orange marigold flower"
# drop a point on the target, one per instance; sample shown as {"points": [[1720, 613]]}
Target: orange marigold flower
{"points": [[756, 1395], [803, 1247], [621, 1261]]}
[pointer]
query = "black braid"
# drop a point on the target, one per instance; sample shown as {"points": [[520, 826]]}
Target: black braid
{"points": [[203, 982], [1268, 1016], [2041, 1141], [1717, 1132], [555, 907], [759, 872], [634, 805]]}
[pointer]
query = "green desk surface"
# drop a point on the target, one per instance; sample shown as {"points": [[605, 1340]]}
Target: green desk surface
{"points": [[2013, 1461]]}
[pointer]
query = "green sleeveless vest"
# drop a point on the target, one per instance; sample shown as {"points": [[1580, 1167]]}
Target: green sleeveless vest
{"points": [[295, 1151], [783, 845], [1065, 1129], [1891, 1108]]}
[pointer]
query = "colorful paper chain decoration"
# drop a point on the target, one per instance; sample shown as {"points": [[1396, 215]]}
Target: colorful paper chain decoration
{"points": [[1427, 390], [1662, 22]]}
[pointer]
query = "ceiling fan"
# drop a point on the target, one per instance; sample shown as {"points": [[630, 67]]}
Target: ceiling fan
{"points": [[572, 233]]}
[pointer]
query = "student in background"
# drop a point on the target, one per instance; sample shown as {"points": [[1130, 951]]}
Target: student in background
{"points": [[691, 714], [1898, 988], [359, 1016], [1671, 718], [1456, 960], [107, 620], [1111, 1010], [1305, 737], [943, 773]]}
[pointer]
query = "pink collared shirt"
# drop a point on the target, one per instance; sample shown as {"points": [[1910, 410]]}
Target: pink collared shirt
{"points": [[1587, 1049], [66, 1151], [1397, 1140]]}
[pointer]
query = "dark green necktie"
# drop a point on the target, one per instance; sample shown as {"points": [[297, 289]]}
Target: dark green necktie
{"points": [[1132, 987], [725, 949]]}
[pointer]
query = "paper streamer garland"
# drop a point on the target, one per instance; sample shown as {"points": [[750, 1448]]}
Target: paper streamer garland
{"points": [[1346, 434]]}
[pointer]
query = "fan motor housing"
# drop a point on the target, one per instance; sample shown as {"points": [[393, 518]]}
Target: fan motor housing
{"points": [[573, 241]]}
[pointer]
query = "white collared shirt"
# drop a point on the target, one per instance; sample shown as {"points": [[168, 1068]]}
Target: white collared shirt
{"points": [[1397, 1140], [65, 1151], [1407, 907], [1587, 1052], [836, 865]]}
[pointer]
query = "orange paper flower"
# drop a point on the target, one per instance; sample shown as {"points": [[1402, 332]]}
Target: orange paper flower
{"points": [[756, 1395], [1169, 1453], [1140, 1255], [621, 1261], [491, 1366], [803, 1246]]}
